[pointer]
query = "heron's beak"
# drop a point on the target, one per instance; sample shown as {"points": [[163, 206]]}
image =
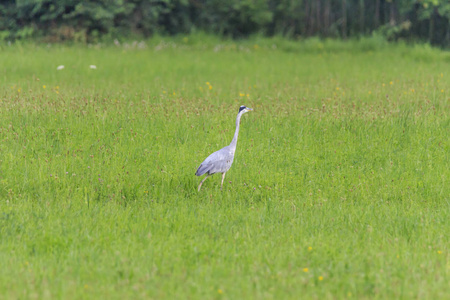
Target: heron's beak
{"points": [[249, 109]]}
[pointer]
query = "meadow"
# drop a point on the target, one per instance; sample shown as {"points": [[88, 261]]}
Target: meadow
{"points": [[340, 186]]}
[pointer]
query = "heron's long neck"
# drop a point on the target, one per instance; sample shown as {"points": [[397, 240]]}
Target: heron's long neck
{"points": [[236, 133]]}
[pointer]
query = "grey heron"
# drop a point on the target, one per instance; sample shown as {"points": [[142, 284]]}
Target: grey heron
{"points": [[221, 160]]}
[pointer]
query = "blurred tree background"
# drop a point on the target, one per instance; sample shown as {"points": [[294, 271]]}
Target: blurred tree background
{"points": [[91, 20]]}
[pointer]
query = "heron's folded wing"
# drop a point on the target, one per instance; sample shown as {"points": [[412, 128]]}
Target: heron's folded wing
{"points": [[216, 162], [204, 167]]}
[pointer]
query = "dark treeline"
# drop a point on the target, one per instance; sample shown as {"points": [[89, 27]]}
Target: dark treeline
{"points": [[425, 20]]}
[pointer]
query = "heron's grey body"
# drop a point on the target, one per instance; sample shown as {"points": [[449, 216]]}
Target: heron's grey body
{"points": [[218, 162], [221, 160]]}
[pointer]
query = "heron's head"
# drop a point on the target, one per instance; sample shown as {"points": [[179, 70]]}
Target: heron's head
{"points": [[245, 109]]}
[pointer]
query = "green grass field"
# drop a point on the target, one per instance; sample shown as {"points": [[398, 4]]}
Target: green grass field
{"points": [[340, 186]]}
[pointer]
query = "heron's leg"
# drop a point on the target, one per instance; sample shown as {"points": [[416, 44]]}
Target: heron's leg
{"points": [[223, 177], [200, 186]]}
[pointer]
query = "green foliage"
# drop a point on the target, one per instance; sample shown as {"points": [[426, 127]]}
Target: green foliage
{"points": [[235, 18], [339, 188], [92, 20]]}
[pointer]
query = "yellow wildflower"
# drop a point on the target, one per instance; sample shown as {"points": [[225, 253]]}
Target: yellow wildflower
{"points": [[305, 270], [309, 248], [320, 278]]}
